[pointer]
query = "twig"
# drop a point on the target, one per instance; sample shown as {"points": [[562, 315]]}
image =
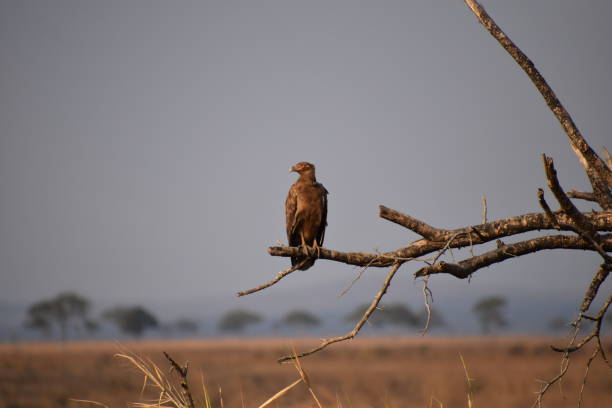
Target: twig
{"points": [[359, 324], [427, 295], [421, 228], [571, 347], [598, 319], [586, 373], [565, 361], [484, 210], [598, 279], [547, 211], [278, 277], [582, 195]]}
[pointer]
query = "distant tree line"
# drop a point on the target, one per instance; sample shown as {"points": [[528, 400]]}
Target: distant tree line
{"points": [[69, 313]]}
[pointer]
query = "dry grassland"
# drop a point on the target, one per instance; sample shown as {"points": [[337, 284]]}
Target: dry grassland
{"points": [[368, 372]]}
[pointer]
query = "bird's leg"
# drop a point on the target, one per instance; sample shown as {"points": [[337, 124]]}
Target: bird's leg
{"points": [[316, 246], [303, 245]]}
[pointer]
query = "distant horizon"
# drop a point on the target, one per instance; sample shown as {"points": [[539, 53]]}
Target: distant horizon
{"points": [[459, 322]]}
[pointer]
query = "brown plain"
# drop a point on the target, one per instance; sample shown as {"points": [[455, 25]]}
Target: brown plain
{"points": [[367, 372]]}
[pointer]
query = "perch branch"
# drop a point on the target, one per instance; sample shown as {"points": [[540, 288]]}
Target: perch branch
{"points": [[464, 237], [359, 324]]}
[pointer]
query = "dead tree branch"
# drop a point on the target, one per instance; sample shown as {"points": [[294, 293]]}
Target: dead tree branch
{"points": [[598, 279], [421, 228], [599, 174], [465, 268], [471, 235]]}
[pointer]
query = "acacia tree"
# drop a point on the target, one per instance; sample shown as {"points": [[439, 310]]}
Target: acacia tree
{"points": [[237, 320], [300, 318], [67, 309], [132, 320], [489, 311], [589, 231]]}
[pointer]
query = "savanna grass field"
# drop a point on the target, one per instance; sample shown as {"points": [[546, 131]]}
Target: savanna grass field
{"points": [[365, 372]]}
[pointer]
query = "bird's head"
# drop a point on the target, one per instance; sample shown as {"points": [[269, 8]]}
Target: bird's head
{"points": [[303, 167]]}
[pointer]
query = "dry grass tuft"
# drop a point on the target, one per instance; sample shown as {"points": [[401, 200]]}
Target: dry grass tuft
{"points": [[173, 395]]}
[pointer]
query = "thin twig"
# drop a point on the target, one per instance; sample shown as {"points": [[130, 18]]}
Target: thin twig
{"points": [[278, 277], [484, 210], [421, 228], [359, 324], [586, 374], [427, 295], [581, 195], [600, 276], [551, 216]]}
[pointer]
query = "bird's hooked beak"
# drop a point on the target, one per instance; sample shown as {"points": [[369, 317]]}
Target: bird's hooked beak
{"points": [[292, 169]]}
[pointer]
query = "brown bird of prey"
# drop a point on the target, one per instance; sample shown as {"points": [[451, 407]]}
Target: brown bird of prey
{"points": [[306, 212]]}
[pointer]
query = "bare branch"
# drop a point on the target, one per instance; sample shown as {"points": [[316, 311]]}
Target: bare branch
{"points": [[472, 235], [465, 268], [421, 228], [582, 195], [359, 324], [583, 228], [566, 204], [586, 372], [484, 210], [278, 277], [598, 279], [599, 174], [552, 217], [595, 333], [351, 258]]}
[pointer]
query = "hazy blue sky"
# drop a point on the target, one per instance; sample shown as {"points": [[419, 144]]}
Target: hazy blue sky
{"points": [[145, 145]]}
